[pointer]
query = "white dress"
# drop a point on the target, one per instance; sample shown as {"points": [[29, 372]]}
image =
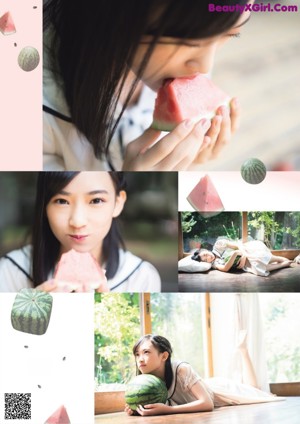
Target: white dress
{"points": [[133, 274], [223, 391], [64, 148], [258, 255]]}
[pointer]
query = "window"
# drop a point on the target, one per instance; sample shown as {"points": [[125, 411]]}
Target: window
{"points": [[278, 230], [120, 320], [116, 329], [280, 314], [179, 317]]}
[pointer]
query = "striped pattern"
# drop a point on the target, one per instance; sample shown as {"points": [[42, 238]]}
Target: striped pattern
{"points": [[145, 389], [31, 311], [28, 58], [253, 171]]}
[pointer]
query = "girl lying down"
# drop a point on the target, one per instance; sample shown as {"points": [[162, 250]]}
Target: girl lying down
{"points": [[252, 256], [187, 391]]}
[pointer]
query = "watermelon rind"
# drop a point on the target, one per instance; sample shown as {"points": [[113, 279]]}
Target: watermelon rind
{"points": [[31, 311], [145, 389], [253, 171]]}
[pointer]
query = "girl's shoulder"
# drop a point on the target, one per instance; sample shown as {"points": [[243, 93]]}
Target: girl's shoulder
{"points": [[135, 275], [15, 269]]}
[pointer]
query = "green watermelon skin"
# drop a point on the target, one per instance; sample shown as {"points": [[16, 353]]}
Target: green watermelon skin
{"points": [[145, 389], [192, 98], [205, 199], [253, 171], [31, 311]]}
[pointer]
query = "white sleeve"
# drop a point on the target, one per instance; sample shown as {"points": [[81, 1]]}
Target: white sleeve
{"points": [[187, 376], [11, 278]]}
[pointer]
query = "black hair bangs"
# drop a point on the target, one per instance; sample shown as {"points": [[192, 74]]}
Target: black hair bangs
{"points": [[193, 19]]}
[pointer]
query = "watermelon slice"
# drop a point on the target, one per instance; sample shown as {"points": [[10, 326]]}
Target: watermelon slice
{"points": [[186, 98], [60, 416], [79, 272], [7, 26], [205, 199]]}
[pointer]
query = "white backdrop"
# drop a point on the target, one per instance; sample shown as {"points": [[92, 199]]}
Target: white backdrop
{"points": [[69, 381]]}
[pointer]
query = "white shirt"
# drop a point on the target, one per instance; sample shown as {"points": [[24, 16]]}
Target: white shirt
{"points": [[64, 148], [133, 274]]}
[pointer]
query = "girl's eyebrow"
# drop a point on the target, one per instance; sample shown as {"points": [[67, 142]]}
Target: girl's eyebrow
{"points": [[243, 23], [66, 193]]}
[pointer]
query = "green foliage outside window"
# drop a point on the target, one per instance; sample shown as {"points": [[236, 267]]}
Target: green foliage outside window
{"points": [[117, 328]]}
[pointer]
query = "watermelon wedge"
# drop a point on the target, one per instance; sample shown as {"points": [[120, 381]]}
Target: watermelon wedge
{"points": [[79, 272], [205, 199], [60, 416], [7, 26], [186, 98]]}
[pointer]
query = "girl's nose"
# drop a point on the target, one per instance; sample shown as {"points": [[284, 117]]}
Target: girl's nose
{"points": [[78, 217], [203, 63]]}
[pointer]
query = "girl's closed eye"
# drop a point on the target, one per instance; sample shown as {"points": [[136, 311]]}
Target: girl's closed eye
{"points": [[234, 35]]}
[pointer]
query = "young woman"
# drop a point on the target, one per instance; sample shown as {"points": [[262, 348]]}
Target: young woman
{"points": [[252, 256], [187, 391], [103, 62], [77, 210]]}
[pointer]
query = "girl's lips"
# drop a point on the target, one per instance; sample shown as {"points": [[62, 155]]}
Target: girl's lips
{"points": [[78, 237]]}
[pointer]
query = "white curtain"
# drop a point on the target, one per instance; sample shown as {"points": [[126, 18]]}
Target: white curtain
{"points": [[235, 316]]}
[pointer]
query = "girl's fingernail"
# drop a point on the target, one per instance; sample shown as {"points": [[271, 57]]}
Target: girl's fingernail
{"points": [[205, 124], [224, 111], [217, 120], [188, 123], [235, 102]]}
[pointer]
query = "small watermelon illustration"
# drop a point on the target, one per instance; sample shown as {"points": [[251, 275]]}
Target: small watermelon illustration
{"points": [[60, 416], [253, 171], [7, 26], [205, 199], [145, 389], [31, 311], [28, 58], [187, 98]]}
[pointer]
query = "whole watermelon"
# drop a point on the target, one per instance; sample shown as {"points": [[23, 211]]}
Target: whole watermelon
{"points": [[31, 311], [145, 389]]}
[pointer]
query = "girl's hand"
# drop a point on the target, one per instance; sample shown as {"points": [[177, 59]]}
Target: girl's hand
{"points": [[174, 152], [47, 286], [242, 262], [223, 126], [128, 410], [154, 409]]}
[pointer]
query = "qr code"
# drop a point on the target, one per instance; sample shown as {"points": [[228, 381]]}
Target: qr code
{"points": [[17, 406]]}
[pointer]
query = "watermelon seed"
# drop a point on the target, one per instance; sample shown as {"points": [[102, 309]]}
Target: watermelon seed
{"points": [[39, 386], [15, 44], [26, 347], [64, 358]]}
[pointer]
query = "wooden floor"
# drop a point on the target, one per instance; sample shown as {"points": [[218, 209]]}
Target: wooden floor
{"points": [[287, 411], [283, 280], [262, 68]]}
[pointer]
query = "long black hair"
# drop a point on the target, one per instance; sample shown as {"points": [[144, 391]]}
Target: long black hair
{"points": [[94, 43], [46, 247], [162, 345]]}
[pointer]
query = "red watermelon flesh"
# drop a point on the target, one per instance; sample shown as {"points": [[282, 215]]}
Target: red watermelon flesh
{"points": [[78, 271], [60, 416], [7, 25], [205, 199], [186, 98]]}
